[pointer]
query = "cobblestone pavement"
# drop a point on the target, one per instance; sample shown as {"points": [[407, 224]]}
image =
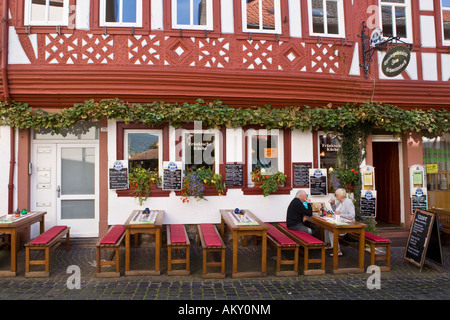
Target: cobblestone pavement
{"points": [[405, 281]]}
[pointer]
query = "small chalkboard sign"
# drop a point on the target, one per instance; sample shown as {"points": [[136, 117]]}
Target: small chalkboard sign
{"points": [[172, 176], [118, 175], [234, 175], [301, 174], [418, 202], [424, 239], [368, 204], [318, 182]]}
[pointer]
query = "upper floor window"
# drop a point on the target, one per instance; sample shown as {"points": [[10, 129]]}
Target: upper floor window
{"points": [[121, 13], [261, 16], [46, 12], [396, 19], [192, 14], [446, 21], [326, 18]]}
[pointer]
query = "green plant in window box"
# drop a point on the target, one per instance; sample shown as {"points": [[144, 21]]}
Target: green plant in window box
{"points": [[346, 178], [196, 180], [271, 183], [142, 180]]}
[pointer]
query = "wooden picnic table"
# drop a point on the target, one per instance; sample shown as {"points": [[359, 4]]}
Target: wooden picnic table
{"points": [[133, 226], [253, 227], [12, 225], [338, 228]]}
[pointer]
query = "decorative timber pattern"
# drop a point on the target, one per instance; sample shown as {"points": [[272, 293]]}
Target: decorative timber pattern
{"points": [[225, 53]]}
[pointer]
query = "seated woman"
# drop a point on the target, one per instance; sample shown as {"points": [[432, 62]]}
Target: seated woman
{"points": [[343, 208]]}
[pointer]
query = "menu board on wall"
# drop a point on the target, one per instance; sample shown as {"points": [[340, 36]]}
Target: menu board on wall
{"points": [[368, 203], [318, 182], [301, 174], [424, 239], [118, 175], [418, 200], [234, 175], [172, 175]]}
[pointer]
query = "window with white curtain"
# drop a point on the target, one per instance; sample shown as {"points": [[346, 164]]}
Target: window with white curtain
{"points": [[47, 12]]}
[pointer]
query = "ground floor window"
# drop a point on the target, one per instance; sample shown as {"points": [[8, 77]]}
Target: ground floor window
{"points": [[265, 151], [142, 149], [436, 159], [329, 145]]}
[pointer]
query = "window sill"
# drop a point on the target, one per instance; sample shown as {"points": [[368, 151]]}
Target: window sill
{"points": [[209, 192], [153, 193], [259, 191], [44, 29], [262, 36]]}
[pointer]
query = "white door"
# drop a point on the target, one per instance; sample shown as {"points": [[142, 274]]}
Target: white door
{"points": [[65, 177]]}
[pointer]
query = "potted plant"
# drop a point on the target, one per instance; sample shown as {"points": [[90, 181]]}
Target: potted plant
{"points": [[196, 181], [142, 180], [271, 183], [344, 178], [256, 176]]}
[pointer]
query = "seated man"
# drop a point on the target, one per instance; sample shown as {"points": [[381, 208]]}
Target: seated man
{"points": [[298, 211]]}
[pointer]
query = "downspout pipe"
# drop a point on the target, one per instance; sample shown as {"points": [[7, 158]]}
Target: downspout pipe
{"points": [[12, 162]]}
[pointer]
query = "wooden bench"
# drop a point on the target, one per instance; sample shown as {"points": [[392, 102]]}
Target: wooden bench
{"points": [[283, 243], [374, 242], [307, 242], [443, 218], [46, 241], [177, 239], [111, 241], [210, 240]]}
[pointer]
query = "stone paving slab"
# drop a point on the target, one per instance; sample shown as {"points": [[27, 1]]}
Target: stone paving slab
{"points": [[405, 281]]}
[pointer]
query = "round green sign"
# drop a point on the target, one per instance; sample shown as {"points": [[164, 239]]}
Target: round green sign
{"points": [[396, 61]]}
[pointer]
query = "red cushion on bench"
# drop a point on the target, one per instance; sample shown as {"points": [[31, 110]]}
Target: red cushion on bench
{"points": [[113, 235], [210, 235], [375, 238], [279, 236], [48, 235], [302, 235], [177, 234]]}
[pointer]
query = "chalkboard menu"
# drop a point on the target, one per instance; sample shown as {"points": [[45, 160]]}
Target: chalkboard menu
{"points": [[172, 176], [424, 239], [418, 202], [301, 174], [368, 204], [234, 175], [318, 182], [118, 175]]}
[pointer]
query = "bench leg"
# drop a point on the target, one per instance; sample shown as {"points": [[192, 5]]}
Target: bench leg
{"points": [[47, 259], [99, 261], [27, 259]]}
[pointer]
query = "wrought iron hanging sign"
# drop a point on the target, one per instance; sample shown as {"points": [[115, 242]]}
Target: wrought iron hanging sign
{"points": [[396, 61]]}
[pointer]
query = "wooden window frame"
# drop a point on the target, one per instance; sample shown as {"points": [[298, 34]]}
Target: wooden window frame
{"points": [[120, 152], [287, 163], [96, 26], [248, 35], [342, 22], [409, 15], [170, 30], [220, 156], [139, 15], [22, 26], [445, 43]]}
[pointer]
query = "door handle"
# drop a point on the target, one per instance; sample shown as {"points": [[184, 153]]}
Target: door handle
{"points": [[58, 191]]}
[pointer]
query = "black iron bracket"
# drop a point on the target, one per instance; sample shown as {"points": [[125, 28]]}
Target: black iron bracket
{"points": [[368, 51]]}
